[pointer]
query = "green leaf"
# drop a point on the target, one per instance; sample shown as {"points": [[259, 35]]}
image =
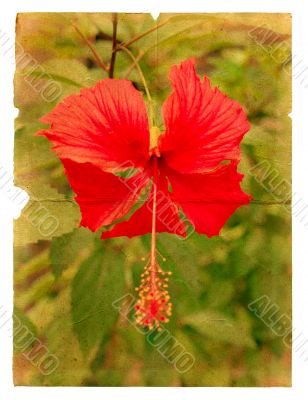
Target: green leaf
{"points": [[97, 284], [219, 327], [31, 153], [66, 248], [47, 214], [69, 73], [73, 368], [24, 331], [55, 77]]}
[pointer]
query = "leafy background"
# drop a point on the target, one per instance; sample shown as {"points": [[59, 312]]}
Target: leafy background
{"points": [[65, 284]]}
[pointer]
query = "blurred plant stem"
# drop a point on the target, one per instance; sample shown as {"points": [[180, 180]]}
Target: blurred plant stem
{"points": [[114, 44], [136, 38], [129, 70], [123, 46], [151, 108], [97, 57]]}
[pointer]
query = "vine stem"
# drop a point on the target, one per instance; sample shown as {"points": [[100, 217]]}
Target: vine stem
{"points": [[129, 70], [114, 44], [99, 61], [151, 109], [133, 40], [153, 239]]}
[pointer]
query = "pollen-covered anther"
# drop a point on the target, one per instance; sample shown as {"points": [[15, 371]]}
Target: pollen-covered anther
{"points": [[153, 307]]}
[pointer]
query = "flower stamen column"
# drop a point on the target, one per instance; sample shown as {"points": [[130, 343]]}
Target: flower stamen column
{"points": [[153, 307]]}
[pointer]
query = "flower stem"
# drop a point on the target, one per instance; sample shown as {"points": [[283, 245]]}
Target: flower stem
{"points": [[151, 109], [114, 44]]}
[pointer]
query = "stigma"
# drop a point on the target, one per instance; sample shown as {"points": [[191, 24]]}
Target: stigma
{"points": [[153, 307]]}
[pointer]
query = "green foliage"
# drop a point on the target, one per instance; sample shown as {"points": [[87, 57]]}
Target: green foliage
{"points": [[45, 218], [65, 249], [66, 279], [22, 328], [97, 284], [216, 326]]}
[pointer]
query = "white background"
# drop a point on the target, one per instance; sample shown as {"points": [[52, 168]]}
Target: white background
{"points": [[299, 9]]}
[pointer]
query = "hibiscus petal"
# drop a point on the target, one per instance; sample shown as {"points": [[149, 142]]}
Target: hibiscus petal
{"points": [[140, 223], [209, 199], [106, 125], [203, 126], [102, 196]]}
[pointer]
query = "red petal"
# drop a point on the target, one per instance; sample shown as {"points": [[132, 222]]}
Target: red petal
{"points": [[106, 125], [203, 126], [102, 196], [209, 199], [140, 223]]}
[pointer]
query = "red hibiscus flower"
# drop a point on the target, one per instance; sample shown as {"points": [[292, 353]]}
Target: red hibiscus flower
{"points": [[191, 166]]}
